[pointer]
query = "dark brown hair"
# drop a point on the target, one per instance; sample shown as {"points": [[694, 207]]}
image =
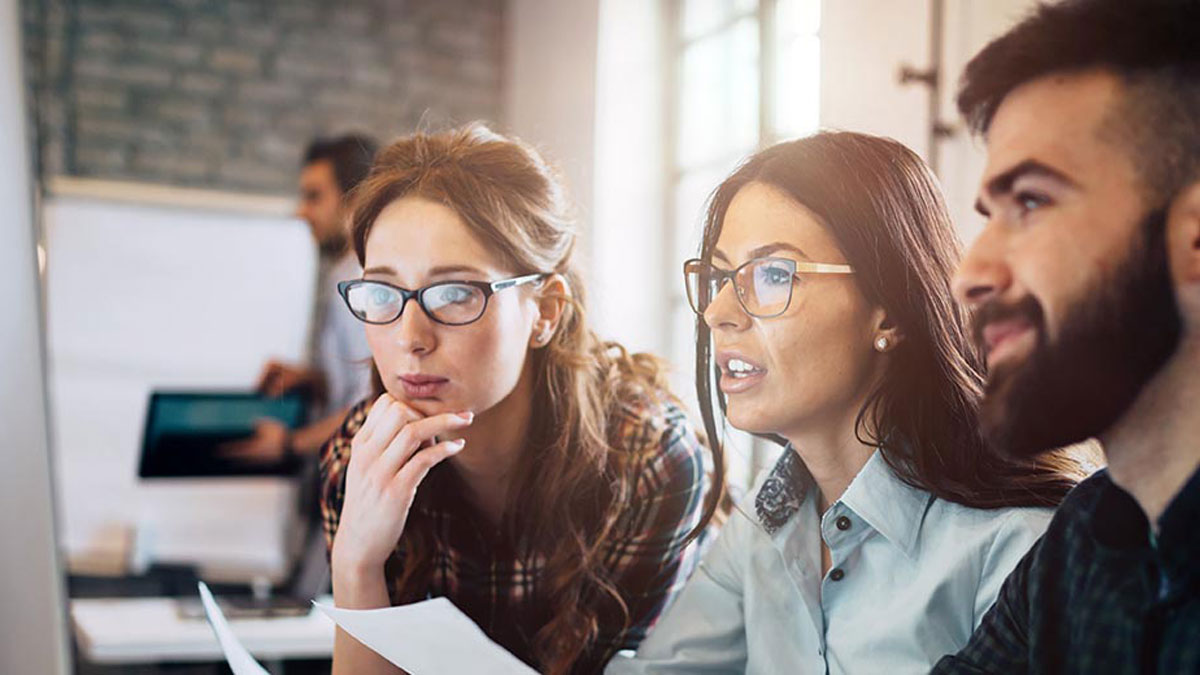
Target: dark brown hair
{"points": [[883, 207], [349, 155], [572, 479], [1153, 46]]}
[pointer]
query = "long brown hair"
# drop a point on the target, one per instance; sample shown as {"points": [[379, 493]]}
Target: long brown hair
{"points": [[572, 481], [883, 207]]}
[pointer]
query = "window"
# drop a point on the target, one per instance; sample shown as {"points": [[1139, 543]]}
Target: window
{"points": [[743, 75]]}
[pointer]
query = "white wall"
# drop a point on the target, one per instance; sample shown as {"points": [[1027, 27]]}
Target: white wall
{"points": [[971, 24], [32, 624], [863, 45], [550, 87], [630, 174], [143, 296]]}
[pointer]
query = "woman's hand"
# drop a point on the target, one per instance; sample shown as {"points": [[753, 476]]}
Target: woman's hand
{"points": [[389, 457]]}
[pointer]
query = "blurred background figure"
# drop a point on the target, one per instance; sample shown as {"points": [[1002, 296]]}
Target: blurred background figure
{"points": [[338, 372]]}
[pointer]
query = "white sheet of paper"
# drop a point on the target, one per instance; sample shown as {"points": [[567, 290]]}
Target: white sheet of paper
{"points": [[240, 661], [427, 638]]}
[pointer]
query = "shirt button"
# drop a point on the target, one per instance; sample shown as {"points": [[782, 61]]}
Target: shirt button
{"points": [[843, 523], [836, 574]]}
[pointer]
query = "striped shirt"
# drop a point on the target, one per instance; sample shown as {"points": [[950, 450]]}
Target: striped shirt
{"points": [[485, 574]]}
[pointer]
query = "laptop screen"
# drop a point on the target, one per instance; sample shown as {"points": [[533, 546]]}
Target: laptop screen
{"points": [[188, 434]]}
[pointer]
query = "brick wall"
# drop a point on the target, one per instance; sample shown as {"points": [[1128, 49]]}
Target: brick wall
{"points": [[225, 93]]}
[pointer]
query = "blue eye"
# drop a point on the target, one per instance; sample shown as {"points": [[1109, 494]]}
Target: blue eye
{"points": [[774, 275], [381, 296], [455, 294], [1028, 202], [451, 294]]}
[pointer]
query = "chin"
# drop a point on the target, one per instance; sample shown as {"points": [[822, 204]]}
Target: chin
{"points": [[428, 407], [750, 420]]}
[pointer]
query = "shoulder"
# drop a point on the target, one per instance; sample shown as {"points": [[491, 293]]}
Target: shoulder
{"points": [[992, 521], [989, 537], [657, 441], [1015, 521], [1075, 511], [337, 448], [1016, 530], [1086, 495], [354, 418]]}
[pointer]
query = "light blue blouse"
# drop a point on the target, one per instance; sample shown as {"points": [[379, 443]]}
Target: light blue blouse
{"points": [[911, 577]]}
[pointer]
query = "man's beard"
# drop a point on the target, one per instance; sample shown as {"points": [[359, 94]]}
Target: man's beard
{"points": [[1111, 343], [333, 246]]}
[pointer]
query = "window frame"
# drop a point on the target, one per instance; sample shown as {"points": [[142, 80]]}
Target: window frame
{"points": [[676, 45]]}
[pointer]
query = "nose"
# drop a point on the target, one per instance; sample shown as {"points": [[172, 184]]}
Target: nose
{"points": [[725, 312], [983, 273], [414, 331]]}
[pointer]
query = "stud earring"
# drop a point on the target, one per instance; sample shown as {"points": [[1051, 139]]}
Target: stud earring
{"points": [[882, 344]]}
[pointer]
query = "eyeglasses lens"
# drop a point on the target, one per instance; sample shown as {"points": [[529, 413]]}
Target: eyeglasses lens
{"points": [[765, 286], [454, 303], [374, 303]]}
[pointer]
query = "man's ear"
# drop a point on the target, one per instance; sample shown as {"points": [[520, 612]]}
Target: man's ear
{"points": [[1183, 235], [552, 296], [886, 334], [1183, 250]]}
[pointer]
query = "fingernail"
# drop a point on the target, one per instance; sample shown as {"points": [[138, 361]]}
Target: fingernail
{"points": [[457, 444], [467, 416]]}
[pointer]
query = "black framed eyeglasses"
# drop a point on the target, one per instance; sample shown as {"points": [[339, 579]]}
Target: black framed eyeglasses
{"points": [[452, 303], [763, 285]]}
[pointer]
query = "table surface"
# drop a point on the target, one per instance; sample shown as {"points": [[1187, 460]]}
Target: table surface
{"points": [[144, 630]]}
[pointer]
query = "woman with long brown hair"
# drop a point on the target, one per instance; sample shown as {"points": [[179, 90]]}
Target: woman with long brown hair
{"points": [[544, 481], [825, 317]]}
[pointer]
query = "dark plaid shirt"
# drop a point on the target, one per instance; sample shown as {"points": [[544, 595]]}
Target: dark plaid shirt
{"points": [[1098, 593], [482, 573]]}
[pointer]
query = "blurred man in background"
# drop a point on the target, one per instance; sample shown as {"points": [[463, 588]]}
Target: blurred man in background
{"points": [[338, 372]]}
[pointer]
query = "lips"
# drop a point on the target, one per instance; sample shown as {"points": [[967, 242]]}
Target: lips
{"points": [[1002, 336], [418, 385], [739, 373]]}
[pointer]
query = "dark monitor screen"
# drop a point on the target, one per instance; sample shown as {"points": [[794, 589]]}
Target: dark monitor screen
{"points": [[187, 433]]}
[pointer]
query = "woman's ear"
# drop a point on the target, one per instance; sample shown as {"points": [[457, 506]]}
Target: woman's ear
{"points": [[885, 334], [552, 295]]}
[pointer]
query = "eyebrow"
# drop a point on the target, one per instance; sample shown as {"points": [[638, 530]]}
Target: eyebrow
{"points": [[1002, 184], [436, 271], [455, 269], [766, 250]]}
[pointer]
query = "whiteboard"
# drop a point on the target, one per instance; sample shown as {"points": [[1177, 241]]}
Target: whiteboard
{"points": [[151, 296]]}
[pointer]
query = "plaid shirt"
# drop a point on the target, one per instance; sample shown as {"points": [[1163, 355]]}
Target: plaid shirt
{"points": [[481, 571], [1098, 593]]}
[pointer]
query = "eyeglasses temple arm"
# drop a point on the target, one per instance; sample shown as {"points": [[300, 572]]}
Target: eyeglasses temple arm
{"points": [[517, 281], [823, 268]]}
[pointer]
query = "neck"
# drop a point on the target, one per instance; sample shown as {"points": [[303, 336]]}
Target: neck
{"points": [[495, 441], [1152, 450], [832, 453]]}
